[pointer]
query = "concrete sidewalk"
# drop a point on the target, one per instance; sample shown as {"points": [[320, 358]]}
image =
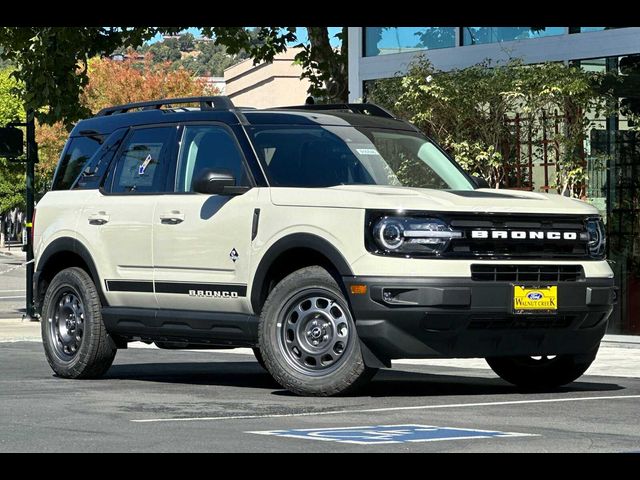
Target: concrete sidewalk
{"points": [[619, 355], [14, 252]]}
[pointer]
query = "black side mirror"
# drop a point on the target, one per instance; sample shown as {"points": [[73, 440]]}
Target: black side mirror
{"points": [[213, 182], [217, 182], [480, 182]]}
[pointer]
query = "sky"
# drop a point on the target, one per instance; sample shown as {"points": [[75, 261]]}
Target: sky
{"points": [[301, 31]]}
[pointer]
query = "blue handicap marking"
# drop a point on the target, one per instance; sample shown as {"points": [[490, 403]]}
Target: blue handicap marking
{"points": [[378, 434]]}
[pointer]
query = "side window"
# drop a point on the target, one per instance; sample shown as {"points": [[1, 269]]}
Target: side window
{"points": [[75, 157], [205, 146], [142, 165]]}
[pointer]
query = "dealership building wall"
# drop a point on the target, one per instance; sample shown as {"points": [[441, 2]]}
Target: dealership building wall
{"points": [[384, 52]]}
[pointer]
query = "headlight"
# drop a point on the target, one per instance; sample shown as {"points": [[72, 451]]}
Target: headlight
{"points": [[412, 235], [597, 239]]}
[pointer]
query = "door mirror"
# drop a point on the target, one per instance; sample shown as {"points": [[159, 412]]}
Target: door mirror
{"points": [[480, 182], [213, 182], [11, 142]]}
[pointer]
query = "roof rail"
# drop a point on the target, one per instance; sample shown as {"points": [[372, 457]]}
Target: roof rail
{"points": [[219, 102], [362, 108]]}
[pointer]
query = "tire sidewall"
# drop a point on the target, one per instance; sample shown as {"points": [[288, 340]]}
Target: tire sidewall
{"points": [[351, 364], [75, 280]]}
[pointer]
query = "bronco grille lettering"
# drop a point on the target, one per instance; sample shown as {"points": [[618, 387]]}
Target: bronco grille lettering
{"points": [[523, 235]]}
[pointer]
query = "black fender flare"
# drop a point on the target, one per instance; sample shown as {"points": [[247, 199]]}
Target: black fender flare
{"points": [[69, 244], [295, 240]]}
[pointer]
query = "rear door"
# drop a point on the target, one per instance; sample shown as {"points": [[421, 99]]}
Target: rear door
{"points": [[117, 220]]}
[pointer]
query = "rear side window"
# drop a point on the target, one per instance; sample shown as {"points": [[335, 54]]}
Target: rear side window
{"points": [[76, 156], [142, 165]]}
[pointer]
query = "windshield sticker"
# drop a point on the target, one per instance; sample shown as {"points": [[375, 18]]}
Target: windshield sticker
{"points": [[367, 151]]}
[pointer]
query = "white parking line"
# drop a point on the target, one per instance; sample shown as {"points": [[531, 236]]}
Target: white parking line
{"points": [[387, 409], [7, 291], [6, 298]]}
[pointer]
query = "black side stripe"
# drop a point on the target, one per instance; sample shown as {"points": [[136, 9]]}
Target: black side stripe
{"points": [[145, 286], [185, 288]]}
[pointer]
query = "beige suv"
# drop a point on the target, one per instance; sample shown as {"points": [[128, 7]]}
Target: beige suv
{"points": [[331, 239]]}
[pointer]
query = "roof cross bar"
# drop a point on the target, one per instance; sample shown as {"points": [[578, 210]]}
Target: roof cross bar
{"points": [[219, 102], [361, 108]]}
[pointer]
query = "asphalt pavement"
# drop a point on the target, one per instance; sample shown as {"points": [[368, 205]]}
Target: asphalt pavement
{"points": [[186, 401], [223, 401]]}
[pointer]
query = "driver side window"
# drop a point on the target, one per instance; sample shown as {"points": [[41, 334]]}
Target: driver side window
{"points": [[208, 147]]}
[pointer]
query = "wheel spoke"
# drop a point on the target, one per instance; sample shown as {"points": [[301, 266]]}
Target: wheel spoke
{"points": [[67, 324], [314, 332]]}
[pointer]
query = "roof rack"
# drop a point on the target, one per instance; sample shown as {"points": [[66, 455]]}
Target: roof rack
{"points": [[219, 102], [362, 108]]}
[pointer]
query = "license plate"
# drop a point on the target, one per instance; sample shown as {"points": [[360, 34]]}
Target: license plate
{"points": [[527, 299]]}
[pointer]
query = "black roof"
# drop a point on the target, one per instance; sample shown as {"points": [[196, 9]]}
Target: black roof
{"points": [[221, 109]]}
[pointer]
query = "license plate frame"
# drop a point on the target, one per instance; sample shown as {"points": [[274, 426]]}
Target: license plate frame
{"points": [[531, 299]]}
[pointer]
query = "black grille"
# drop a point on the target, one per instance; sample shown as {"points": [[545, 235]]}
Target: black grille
{"points": [[526, 273], [524, 321], [467, 246]]}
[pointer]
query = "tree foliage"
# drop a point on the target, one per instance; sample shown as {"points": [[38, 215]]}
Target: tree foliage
{"points": [[12, 175], [469, 110], [117, 82], [52, 62], [112, 83]]}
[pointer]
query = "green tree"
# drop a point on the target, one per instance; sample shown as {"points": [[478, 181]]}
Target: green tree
{"points": [[12, 175], [52, 61], [166, 51], [468, 112], [186, 42]]}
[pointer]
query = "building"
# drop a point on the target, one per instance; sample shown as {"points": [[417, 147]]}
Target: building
{"points": [[273, 84], [383, 52]]}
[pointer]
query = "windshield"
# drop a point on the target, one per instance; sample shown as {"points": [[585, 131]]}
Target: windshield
{"points": [[324, 156]]}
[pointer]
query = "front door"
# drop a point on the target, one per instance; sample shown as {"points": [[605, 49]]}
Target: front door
{"points": [[201, 242]]}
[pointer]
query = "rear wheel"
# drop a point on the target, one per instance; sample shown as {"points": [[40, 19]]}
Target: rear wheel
{"points": [[540, 372], [76, 342], [308, 337]]}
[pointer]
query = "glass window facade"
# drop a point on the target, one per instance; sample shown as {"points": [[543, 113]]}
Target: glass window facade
{"points": [[386, 40], [480, 35]]}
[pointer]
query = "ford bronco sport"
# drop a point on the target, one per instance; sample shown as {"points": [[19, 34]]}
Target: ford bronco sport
{"points": [[331, 239]]}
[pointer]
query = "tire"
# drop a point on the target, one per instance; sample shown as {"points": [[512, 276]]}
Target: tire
{"points": [[305, 307], [544, 372], [73, 294], [258, 355]]}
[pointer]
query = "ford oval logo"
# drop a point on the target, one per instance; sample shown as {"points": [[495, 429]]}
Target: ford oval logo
{"points": [[534, 296]]}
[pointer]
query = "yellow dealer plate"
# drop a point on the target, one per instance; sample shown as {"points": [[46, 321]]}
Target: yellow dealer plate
{"points": [[535, 298]]}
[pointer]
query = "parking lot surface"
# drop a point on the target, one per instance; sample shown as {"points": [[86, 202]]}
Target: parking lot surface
{"points": [[186, 401]]}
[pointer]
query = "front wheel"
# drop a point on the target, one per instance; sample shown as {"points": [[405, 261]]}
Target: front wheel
{"points": [[75, 340], [308, 338], [542, 372]]}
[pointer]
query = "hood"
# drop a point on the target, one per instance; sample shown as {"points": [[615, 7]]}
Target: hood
{"points": [[407, 198]]}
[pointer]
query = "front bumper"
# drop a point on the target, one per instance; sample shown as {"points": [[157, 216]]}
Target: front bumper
{"points": [[401, 317]]}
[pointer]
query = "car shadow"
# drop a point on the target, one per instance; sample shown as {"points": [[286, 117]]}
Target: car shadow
{"points": [[229, 374], [386, 383], [400, 383]]}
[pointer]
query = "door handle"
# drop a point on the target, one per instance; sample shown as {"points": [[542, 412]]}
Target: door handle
{"points": [[99, 218], [171, 218]]}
